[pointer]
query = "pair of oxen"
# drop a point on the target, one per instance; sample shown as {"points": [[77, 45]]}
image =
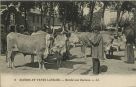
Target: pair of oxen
{"points": [[40, 44]]}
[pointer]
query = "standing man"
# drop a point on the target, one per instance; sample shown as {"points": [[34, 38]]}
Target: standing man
{"points": [[97, 50], [130, 42]]}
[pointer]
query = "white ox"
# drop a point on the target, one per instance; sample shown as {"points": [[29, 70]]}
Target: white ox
{"points": [[59, 44], [84, 39], [59, 47], [26, 44]]}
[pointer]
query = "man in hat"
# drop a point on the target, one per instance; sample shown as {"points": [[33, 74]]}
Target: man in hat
{"points": [[97, 50]]}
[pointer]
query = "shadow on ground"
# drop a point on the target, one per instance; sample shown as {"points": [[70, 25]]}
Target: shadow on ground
{"points": [[33, 65], [133, 69], [88, 55], [116, 57], [52, 64], [73, 57], [103, 68]]}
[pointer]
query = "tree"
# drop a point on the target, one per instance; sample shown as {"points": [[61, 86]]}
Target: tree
{"points": [[50, 12], [92, 6], [62, 12], [133, 5], [105, 5], [118, 8], [39, 5], [68, 12], [25, 7], [80, 14]]}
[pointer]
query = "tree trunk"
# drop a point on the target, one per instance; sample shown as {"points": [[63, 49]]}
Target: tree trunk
{"points": [[121, 17], [26, 29], [102, 19], [81, 23], [41, 16], [135, 21], [92, 5], [49, 21], [53, 13], [118, 15], [64, 20]]}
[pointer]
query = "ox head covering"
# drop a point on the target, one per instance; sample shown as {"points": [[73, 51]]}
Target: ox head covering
{"points": [[59, 44]]}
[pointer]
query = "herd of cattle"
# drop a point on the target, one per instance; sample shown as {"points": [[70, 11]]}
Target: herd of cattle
{"points": [[42, 44]]}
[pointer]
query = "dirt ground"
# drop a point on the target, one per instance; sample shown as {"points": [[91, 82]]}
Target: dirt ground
{"points": [[75, 66]]}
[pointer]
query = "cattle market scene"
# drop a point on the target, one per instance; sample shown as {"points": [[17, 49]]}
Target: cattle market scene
{"points": [[68, 37]]}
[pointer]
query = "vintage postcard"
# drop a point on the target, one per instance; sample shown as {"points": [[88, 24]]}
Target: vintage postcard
{"points": [[70, 43]]}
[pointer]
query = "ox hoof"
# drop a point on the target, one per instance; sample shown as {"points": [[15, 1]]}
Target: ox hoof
{"points": [[44, 69], [8, 66], [12, 67]]}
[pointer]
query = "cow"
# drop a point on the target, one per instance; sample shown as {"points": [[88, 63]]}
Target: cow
{"points": [[27, 44], [59, 47], [84, 39], [47, 44]]}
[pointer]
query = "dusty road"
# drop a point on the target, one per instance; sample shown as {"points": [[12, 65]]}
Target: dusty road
{"points": [[76, 65]]}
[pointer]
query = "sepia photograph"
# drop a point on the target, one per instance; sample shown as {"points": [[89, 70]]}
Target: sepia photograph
{"points": [[67, 38]]}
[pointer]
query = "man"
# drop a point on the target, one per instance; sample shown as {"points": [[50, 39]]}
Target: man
{"points": [[67, 53], [97, 50], [130, 42]]}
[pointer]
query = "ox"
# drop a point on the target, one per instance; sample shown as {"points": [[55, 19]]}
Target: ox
{"points": [[32, 45], [84, 39], [59, 47]]}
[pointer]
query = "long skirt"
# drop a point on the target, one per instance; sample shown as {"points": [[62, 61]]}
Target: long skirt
{"points": [[129, 54]]}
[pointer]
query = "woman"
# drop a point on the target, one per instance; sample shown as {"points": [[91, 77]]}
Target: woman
{"points": [[130, 42]]}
